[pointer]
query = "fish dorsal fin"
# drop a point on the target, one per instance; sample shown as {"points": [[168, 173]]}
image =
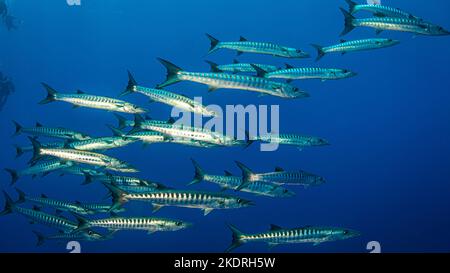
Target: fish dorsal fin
{"points": [[235, 61], [38, 124], [288, 66], [259, 71], [77, 202], [227, 173], [275, 227], [80, 92], [343, 41], [242, 39], [171, 120], [43, 196], [279, 169]]}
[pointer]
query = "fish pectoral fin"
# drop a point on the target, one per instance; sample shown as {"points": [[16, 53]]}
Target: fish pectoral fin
{"points": [[212, 88], [75, 106], [156, 207], [207, 211], [272, 245], [151, 231], [317, 243]]}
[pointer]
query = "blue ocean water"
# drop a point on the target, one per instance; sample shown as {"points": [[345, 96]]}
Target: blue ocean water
{"points": [[387, 167]]}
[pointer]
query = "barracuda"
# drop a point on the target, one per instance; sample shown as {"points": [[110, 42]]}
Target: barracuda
{"points": [[98, 208], [166, 97], [123, 122], [380, 10], [186, 134], [149, 224], [295, 140], [34, 215], [81, 99], [237, 67], [228, 181], [43, 168], [84, 157], [231, 81], [58, 132], [294, 73], [355, 45], [279, 177], [393, 23], [243, 45], [278, 235], [127, 183], [86, 235], [180, 198], [20, 150], [102, 143], [59, 205], [79, 170]]}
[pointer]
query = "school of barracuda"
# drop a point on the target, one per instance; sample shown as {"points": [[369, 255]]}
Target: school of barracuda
{"points": [[83, 155]]}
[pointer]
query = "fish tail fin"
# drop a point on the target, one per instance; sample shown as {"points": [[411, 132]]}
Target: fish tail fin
{"points": [[246, 173], [214, 66], [320, 52], [22, 196], [40, 238], [249, 140], [116, 132], [14, 175], [9, 205], [214, 43], [351, 6], [18, 128], [199, 174], [117, 196], [130, 86], [348, 22], [51, 94], [138, 120], [36, 149], [236, 240], [172, 73], [19, 151], [83, 223], [121, 121]]}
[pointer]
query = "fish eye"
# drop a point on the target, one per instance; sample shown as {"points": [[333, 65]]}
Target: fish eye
{"points": [[178, 223], [346, 232], [345, 70], [90, 232], [298, 51], [239, 200]]}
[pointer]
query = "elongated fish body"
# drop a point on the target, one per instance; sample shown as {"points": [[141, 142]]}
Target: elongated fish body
{"points": [[47, 219], [132, 183], [79, 170], [277, 235], [310, 73], [57, 204], [43, 168], [295, 140], [243, 45], [393, 23], [148, 136], [85, 157], [150, 224], [102, 143], [238, 67], [231, 81], [355, 45], [179, 131], [228, 181], [57, 132], [166, 97], [85, 235], [81, 99], [258, 188], [380, 10], [94, 208], [206, 201], [279, 177]]}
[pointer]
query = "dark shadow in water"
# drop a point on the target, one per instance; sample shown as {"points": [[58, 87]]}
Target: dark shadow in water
{"points": [[9, 20], [6, 89]]}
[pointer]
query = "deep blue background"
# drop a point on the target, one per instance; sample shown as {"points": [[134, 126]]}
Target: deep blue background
{"points": [[388, 165]]}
